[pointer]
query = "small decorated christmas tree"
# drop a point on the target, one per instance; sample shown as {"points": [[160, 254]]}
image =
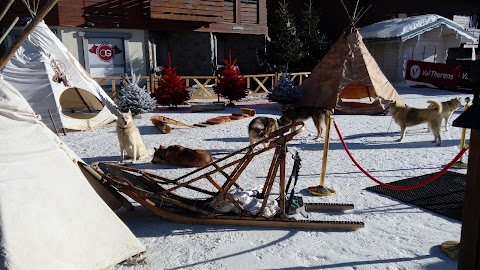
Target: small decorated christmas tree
{"points": [[171, 91], [230, 85], [285, 92], [133, 97]]}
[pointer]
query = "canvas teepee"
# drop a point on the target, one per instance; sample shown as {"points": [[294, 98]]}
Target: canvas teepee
{"points": [[53, 82], [50, 216], [349, 80]]}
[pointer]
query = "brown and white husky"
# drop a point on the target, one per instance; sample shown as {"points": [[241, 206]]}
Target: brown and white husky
{"points": [[181, 156], [409, 116]]}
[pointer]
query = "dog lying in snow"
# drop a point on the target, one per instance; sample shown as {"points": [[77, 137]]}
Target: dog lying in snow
{"points": [[181, 156]]}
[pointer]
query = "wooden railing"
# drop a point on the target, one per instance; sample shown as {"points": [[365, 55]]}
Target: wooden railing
{"points": [[201, 87]]}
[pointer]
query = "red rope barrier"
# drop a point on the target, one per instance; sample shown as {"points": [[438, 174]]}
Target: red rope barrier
{"points": [[423, 183]]}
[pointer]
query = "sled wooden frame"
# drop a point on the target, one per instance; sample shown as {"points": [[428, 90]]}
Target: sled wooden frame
{"points": [[158, 194]]}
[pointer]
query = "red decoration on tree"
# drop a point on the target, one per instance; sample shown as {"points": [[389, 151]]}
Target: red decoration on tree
{"points": [[170, 90], [230, 85]]}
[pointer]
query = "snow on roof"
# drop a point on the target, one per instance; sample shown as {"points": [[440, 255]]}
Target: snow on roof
{"points": [[405, 28]]}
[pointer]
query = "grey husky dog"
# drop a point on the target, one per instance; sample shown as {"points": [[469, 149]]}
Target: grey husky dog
{"points": [[448, 107], [260, 128], [291, 114]]}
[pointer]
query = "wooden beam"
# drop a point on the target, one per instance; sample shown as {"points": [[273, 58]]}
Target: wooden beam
{"points": [[40, 15]]}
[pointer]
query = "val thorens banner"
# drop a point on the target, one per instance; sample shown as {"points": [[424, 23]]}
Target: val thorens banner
{"points": [[439, 75]]}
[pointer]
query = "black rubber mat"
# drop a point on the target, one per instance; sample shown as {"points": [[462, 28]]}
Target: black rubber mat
{"points": [[444, 196]]}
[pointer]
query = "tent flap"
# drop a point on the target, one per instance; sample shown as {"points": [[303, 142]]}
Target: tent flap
{"points": [[50, 216]]}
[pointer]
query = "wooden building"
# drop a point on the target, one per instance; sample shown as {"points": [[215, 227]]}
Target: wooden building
{"points": [[427, 38], [109, 36]]}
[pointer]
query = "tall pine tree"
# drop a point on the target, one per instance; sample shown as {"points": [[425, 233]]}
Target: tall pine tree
{"points": [[133, 97], [283, 49], [315, 44], [171, 91]]}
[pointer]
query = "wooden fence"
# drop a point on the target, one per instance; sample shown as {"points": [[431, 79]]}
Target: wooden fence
{"points": [[201, 87]]}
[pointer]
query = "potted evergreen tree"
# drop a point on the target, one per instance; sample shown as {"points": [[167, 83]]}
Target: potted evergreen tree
{"points": [[171, 90], [231, 85], [285, 91], [133, 97]]}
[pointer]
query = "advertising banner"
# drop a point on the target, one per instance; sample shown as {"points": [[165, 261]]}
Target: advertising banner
{"points": [[465, 77], [439, 75]]}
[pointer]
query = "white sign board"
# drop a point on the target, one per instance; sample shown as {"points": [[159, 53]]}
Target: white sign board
{"points": [[106, 57]]}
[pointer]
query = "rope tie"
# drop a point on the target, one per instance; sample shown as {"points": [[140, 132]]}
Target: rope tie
{"points": [[403, 188]]}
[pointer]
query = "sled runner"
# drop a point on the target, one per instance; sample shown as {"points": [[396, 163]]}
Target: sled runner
{"points": [[206, 195]]}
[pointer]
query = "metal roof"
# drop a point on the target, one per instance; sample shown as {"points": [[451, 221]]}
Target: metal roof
{"points": [[406, 28]]}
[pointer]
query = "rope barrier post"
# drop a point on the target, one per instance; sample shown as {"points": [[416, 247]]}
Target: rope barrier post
{"points": [[460, 164], [321, 190]]}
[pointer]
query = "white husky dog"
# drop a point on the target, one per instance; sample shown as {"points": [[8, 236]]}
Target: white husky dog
{"points": [[129, 137]]}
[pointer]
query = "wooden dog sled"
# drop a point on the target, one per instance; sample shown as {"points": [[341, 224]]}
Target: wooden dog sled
{"points": [[196, 196]]}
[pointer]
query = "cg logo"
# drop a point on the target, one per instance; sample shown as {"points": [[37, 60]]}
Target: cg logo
{"points": [[415, 71], [105, 52]]}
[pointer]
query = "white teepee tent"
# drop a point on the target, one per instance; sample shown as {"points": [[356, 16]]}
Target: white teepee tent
{"points": [[50, 216], [54, 83]]}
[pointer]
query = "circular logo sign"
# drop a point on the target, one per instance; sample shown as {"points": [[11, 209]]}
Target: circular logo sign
{"points": [[415, 71], [105, 52]]}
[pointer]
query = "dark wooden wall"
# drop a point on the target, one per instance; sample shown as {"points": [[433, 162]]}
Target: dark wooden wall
{"points": [[224, 16]]}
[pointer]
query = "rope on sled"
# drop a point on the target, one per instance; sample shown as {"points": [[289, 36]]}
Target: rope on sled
{"points": [[403, 188]]}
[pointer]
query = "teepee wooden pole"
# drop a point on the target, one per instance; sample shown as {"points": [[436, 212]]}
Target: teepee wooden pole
{"points": [[40, 15], [9, 29], [6, 9], [53, 122]]}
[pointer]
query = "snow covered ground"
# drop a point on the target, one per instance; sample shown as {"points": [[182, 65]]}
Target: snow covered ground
{"points": [[396, 235]]}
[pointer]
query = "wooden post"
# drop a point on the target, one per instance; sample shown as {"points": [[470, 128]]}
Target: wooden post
{"points": [[469, 252], [152, 83], [40, 15], [114, 91], [470, 238]]}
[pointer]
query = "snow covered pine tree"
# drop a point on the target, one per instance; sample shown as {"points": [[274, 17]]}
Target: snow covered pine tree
{"points": [[133, 97]]}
